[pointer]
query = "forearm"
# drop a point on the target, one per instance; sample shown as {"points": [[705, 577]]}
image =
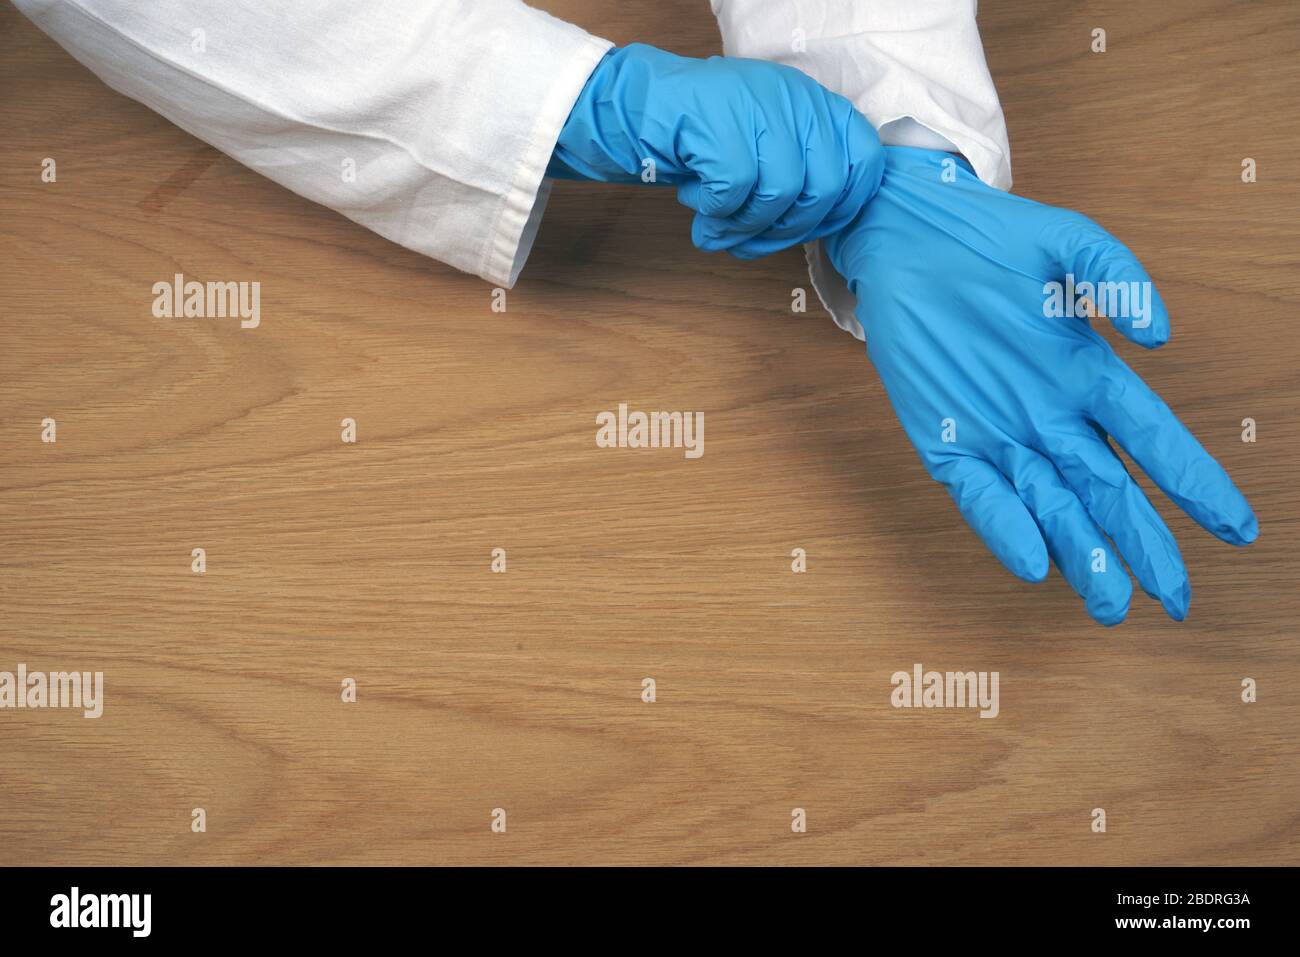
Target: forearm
{"points": [[431, 123]]}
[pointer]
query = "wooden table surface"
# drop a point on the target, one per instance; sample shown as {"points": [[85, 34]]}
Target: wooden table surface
{"points": [[477, 690]]}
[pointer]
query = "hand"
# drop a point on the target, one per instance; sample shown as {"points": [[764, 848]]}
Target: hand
{"points": [[765, 155], [1010, 403]]}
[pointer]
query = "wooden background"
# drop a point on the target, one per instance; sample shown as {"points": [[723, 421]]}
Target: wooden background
{"points": [[522, 691]]}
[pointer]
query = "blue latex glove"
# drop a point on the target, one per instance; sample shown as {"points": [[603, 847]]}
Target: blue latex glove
{"points": [[952, 280], [765, 155]]}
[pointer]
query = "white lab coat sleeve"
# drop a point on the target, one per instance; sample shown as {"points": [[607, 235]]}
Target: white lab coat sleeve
{"points": [[429, 121], [914, 68]]}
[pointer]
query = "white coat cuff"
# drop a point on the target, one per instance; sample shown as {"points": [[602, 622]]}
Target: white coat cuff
{"points": [[915, 70], [525, 201]]}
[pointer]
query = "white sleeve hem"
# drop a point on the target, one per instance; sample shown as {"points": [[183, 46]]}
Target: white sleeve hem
{"points": [[520, 213]]}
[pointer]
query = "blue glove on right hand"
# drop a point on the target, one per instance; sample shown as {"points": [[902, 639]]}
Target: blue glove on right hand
{"points": [[967, 297], [765, 155]]}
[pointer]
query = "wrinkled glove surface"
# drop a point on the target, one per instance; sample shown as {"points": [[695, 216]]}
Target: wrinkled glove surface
{"points": [[1011, 398], [765, 155]]}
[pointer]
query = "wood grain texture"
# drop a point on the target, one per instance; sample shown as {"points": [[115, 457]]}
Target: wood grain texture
{"points": [[522, 690]]}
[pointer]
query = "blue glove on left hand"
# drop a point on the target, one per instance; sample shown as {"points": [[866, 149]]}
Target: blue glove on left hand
{"points": [[968, 299], [765, 155]]}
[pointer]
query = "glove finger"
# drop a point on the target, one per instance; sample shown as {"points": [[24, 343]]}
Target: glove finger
{"points": [[723, 177], [717, 197], [781, 176], [993, 509], [1077, 546], [866, 159], [800, 223], [1098, 265], [844, 165], [1123, 511], [1138, 419]]}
